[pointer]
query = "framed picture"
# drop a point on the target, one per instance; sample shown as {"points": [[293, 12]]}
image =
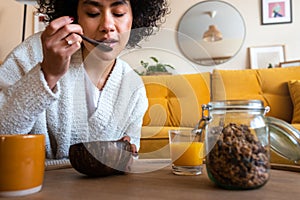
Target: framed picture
{"points": [[292, 63], [276, 11], [39, 23], [266, 56]]}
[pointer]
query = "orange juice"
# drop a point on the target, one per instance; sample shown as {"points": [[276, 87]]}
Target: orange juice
{"points": [[187, 153]]}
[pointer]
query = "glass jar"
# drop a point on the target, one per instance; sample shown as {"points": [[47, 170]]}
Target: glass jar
{"points": [[236, 143]]}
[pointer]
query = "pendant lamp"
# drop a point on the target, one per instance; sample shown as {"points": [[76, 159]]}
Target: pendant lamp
{"points": [[212, 34]]}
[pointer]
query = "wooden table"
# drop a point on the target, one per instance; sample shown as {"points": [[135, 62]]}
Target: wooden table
{"points": [[158, 184]]}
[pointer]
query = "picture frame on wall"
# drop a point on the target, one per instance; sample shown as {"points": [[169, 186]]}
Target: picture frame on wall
{"points": [[276, 11], [291, 63], [266, 56]]}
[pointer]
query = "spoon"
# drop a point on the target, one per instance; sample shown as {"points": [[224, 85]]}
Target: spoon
{"points": [[97, 44]]}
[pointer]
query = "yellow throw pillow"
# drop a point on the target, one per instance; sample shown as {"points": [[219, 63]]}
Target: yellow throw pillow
{"points": [[294, 88]]}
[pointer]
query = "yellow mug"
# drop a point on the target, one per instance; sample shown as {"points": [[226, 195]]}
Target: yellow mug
{"points": [[22, 159]]}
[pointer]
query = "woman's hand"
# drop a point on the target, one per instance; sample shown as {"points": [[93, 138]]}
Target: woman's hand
{"points": [[58, 46], [133, 147]]}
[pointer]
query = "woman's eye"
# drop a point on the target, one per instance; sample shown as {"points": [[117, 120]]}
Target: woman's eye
{"points": [[93, 14], [97, 14], [119, 14]]}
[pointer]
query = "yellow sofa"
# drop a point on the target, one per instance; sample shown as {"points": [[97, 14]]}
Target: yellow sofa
{"points": [[278, 88], [175, 100]]}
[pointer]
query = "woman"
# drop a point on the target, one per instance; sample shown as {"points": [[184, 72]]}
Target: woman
{"points": [[57, 84]]}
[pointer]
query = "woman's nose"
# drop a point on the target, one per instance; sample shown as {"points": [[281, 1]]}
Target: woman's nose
{"points": [[107, 23]]}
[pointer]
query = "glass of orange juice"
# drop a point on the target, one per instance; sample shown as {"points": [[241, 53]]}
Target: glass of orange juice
{"points": [[186, 150]]}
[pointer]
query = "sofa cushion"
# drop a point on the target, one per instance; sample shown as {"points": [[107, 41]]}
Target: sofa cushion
{"points": [[275, 90], [235, 84], [175, 100], [268, 85], [294, 88]]}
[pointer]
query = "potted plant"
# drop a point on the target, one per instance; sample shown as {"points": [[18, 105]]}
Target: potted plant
{"points": [[154, 69]]}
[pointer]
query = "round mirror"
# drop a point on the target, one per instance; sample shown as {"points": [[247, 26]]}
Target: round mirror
{"points": [[211, 33]]}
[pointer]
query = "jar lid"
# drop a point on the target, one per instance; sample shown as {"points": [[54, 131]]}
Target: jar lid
{"points": [[237, 105], [284, 139]]}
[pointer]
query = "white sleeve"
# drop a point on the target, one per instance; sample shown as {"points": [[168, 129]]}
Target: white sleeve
{"points": [[22, 102]]}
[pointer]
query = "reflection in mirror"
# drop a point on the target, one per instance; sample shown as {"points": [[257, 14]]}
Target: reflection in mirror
{"points": [[211, 32]]}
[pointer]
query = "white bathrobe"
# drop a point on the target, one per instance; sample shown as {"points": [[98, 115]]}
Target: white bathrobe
{"points": [[28, 105]]}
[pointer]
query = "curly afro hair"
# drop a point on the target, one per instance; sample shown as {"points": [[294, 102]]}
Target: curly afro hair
{"points": [[147, 15]]}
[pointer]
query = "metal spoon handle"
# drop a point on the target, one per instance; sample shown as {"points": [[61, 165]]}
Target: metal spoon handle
{"points": [[97, 44]]}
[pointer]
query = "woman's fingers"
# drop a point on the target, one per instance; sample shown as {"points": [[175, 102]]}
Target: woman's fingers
{"points": [[133, 147], [60, 32], [72, 39], [57, 24], [126, 138]]}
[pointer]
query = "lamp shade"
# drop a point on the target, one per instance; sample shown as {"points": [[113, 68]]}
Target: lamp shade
{"points": [[212, 34]]}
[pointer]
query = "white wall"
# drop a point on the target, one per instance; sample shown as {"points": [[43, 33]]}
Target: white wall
{"points": [[11, 15], [256, 35], [11, 22]]}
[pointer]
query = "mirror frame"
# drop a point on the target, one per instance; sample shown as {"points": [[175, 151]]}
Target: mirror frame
{"points": [[190, 41]]}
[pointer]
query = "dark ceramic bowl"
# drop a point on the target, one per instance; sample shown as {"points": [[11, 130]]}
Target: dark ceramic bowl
{"points": [[101, 158]]}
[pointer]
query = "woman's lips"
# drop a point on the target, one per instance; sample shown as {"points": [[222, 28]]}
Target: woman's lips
{"points": [[108, 42]]}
